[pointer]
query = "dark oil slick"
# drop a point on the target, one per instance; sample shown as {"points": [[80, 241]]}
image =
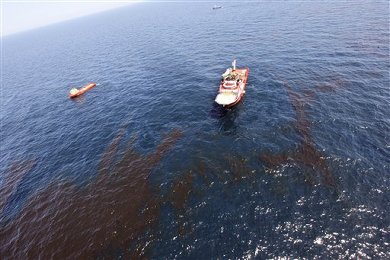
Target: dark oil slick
{"points": [[306, 153], [108, 215], [298, 169], [14, 175]]}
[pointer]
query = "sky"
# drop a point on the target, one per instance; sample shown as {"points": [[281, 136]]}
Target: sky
{"points": [[23, 15]]}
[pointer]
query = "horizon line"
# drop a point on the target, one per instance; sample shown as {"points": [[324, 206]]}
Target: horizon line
{"points": [[2, 35]]}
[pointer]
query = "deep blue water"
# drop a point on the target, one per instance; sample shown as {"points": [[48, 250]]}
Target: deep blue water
{"points": [[317, 96]]}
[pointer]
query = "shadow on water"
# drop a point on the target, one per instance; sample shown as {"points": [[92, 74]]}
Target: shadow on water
{"points": [[218, 111], [227, 125], [226, 118], [78, 100], [117, 209]]}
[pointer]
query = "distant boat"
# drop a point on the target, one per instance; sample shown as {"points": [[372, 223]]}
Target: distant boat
{"points": [[232, 87], [217, 7], [74, 92]]}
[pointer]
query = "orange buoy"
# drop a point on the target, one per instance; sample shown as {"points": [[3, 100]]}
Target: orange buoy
{"points": [[74, 92]]}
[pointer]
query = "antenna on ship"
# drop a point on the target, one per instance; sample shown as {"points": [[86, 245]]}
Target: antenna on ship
{"points": [[234, 64]]}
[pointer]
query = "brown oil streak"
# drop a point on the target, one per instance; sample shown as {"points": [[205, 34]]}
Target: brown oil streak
{"points": [[306, 154], [12, 178], [178, 197], [109, 155], [273, 160], [238, 167], [302, 124], [201, 172], [184, 186], [332, 85], [309, 94], [325, 88], [111, 213]]}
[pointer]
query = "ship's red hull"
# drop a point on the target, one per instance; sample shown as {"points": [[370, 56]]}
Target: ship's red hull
{"points": [[238, 88], [82, 90]]}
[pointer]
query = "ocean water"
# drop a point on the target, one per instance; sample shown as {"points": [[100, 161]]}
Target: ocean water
{"points": [[146, 165]]}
